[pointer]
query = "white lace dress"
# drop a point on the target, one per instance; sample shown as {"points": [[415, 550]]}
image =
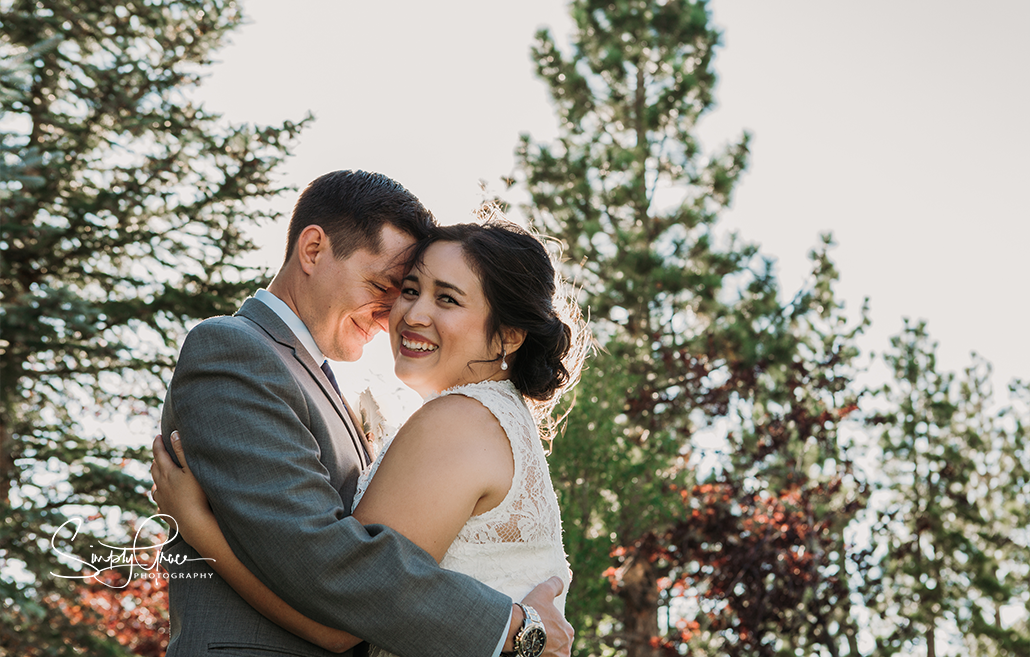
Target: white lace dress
{"points": [[517, 544]]}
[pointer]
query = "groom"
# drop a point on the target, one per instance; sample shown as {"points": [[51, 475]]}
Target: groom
{"points": [[275, 449]]}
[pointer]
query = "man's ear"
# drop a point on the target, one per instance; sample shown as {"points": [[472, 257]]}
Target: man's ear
{"points": [[512, 338], [312, 244]]}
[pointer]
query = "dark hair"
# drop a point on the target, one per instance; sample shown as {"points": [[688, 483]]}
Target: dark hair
{"points": [[523, 292], [352, 207]]}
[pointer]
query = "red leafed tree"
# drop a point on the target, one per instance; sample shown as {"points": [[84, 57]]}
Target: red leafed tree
{"points": [[109, 614], [134, 612], [130, 607], [748, 569], [757, 559]]}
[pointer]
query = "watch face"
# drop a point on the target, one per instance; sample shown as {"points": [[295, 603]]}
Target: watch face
{"points": [[532, 642]]}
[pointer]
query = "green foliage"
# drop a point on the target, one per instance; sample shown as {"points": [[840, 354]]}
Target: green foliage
{"points": [[953, 532], [606, 473], [123, 210], [717, 496], [697, 346]]}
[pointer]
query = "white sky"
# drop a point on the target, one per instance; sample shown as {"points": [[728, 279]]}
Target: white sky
{"points": [[900, 127]]}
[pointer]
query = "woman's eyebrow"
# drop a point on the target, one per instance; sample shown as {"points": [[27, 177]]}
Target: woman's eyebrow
{"points": [[438, 283], [449, 286]]}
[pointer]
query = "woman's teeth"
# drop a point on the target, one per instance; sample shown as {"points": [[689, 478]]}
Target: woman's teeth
{"points": [[418, 346]]}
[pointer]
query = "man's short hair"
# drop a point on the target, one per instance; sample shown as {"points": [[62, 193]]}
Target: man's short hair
{"points": [[352, 207]]}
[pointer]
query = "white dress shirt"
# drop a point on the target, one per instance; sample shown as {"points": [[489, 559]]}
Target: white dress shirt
{"points": [[294, 323]]}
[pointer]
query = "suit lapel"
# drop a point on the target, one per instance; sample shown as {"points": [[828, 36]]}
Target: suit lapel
{"points": [[270, 323]]}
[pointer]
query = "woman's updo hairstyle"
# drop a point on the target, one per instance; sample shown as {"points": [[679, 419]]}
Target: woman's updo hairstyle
{"points": [[524, 291]]}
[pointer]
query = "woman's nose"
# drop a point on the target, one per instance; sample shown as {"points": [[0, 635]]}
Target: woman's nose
{"points": [[417, 314]]}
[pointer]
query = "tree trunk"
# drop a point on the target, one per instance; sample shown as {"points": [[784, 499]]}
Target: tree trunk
{"points": [[7, 470], [639, 593]]}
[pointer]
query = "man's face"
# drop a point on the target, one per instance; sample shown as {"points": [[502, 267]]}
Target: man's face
{"points": [[351, 298]]}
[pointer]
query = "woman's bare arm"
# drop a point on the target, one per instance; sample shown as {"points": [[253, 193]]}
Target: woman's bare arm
{"points": [[439, 472]]}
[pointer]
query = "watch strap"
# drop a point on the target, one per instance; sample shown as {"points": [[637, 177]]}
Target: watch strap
{"points": [[531, 624]]}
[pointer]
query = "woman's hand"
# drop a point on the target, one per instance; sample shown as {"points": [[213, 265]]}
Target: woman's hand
{"points": [[177, 492]]}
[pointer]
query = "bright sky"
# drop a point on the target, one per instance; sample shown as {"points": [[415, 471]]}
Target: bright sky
{"points": [[900, 127]]}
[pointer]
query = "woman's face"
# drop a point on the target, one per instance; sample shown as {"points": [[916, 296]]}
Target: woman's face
{"points": [[438, 325]]}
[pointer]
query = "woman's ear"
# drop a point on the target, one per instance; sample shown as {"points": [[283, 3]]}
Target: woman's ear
{"points": [[512, 339]]}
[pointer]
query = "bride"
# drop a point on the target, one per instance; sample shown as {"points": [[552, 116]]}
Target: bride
{"points": [[484, 332]]}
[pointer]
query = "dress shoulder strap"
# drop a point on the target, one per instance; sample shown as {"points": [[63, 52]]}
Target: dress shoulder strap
{"points": [[506, 403]]}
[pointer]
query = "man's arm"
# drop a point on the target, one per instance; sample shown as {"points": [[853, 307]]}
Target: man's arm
{"points": [[178, 494], [559, 633], [247, 427]]}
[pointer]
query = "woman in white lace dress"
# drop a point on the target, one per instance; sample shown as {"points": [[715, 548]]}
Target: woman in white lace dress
{"points": [[484, 331]]}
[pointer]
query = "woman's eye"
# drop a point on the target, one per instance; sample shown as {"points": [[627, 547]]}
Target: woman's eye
{"points": [[446, 298], [409, 291]]}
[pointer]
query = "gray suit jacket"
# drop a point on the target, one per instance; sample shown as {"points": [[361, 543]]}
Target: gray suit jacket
{"points": [[276, 452]]}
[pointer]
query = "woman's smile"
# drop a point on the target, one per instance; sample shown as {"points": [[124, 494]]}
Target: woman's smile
{"points": [[438, 327], [415, 346]]}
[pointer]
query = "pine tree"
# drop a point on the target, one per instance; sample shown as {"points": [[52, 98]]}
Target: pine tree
{"points": [[952, 533], [694, 340], [627, 99], [123, 208]]}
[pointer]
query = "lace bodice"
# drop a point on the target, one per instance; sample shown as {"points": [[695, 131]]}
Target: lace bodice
{"points": [[517, 544]]}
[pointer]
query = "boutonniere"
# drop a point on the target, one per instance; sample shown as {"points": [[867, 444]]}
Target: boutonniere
{"points": [[373, 423]]}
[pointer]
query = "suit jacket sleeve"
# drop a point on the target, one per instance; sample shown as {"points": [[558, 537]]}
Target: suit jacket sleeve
{"points": [[245, 427]]}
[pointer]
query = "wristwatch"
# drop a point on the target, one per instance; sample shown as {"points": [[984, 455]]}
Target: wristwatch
{"points": [[531, 637]]}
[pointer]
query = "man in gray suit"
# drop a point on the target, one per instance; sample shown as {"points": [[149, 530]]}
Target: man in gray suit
{"points": [[275, 448]]}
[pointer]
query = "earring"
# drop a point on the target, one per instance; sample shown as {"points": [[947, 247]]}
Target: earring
{"points": [[504, 363]]}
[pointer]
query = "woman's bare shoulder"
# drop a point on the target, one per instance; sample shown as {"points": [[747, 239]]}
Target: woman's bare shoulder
{"points": [[456, 422]]}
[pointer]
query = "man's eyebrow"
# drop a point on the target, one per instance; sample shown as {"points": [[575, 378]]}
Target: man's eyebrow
{"points": [[389, 276]]}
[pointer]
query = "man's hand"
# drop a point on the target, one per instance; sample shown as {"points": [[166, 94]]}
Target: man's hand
{"points": [[559, 632]]}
